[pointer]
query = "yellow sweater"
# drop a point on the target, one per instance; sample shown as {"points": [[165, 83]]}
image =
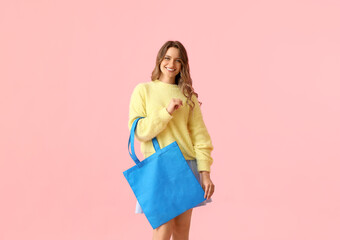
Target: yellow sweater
{"points": [[186, 127]]}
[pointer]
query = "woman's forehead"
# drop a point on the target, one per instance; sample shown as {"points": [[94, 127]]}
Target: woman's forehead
{"points": [[172, 52]]}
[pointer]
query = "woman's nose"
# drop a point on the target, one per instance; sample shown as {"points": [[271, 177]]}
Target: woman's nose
{"points": [[170, 64]]}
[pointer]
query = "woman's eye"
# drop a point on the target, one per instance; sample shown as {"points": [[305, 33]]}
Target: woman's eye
{"points": [[169, 59]]}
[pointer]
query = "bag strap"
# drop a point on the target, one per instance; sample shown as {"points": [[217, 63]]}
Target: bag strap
{"points": [[132, 141], [155, 144]]}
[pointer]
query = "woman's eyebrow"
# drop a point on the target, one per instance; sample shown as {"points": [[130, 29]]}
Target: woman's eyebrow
{"points": [[170, 56]]}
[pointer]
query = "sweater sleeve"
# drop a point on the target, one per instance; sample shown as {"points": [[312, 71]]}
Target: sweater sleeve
{"points": [[200, 138], [153, 123]]}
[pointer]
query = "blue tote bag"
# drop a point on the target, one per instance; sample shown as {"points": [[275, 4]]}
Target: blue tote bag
{"points": [[163, 183]]}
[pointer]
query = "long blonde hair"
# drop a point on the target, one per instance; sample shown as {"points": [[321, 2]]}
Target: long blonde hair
{"points": [[182, 79]]}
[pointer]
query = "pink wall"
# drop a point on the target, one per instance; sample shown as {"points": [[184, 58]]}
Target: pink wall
{"points": [[267, 73]]}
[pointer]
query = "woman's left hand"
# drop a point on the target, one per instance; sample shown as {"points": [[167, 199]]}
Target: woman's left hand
{"points": [[207, 184]]}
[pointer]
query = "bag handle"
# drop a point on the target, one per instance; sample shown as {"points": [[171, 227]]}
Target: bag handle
{"points": [[132, 141]]}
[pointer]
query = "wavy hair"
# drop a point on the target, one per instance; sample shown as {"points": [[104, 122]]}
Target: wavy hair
{"points": [[182, 79]]}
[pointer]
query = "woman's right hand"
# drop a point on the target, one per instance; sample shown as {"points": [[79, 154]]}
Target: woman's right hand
{"points": [[174, 104]]}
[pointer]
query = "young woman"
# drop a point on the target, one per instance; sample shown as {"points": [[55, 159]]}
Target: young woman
{"points": [[172, 112]]}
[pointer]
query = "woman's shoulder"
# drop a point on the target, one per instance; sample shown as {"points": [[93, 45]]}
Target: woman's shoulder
{"points": [[141, 88], [144, 86]]}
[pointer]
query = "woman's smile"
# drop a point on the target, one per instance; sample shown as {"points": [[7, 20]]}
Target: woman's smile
{"points": [[170, 69]]}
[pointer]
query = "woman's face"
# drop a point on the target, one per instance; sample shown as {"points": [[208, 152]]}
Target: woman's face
{"points": [[171, 64]]}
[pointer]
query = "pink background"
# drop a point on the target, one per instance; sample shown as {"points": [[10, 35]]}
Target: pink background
{"points": [[267, 73]]}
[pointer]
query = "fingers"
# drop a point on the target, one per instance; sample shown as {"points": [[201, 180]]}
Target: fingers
{"points": [[208, 190], [178, 101], [211, 191], [205, 192]]}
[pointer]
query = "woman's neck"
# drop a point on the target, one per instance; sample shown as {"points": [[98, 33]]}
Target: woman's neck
{"points": [[167, 79]]}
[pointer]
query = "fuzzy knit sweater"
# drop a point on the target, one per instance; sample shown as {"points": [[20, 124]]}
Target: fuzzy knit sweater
{"points": [[185, 126]]}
